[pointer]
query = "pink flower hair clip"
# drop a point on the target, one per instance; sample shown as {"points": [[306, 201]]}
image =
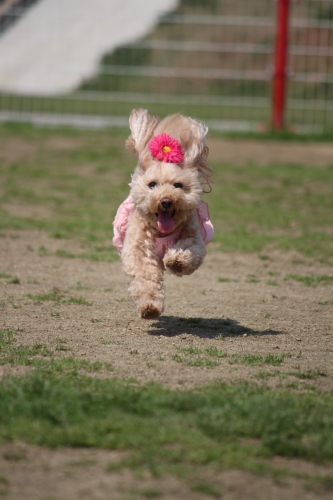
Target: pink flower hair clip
{"points": [[165, 148]]}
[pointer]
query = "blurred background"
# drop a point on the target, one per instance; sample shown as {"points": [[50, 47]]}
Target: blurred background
{"points": [[89, 63]]}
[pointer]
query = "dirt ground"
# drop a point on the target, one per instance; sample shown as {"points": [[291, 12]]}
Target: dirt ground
{"points": [[256, 312], [250, 314], [246, 306]]}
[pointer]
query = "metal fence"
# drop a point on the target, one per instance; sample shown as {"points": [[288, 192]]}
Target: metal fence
{"points": [[213, 59], [310, 87]]}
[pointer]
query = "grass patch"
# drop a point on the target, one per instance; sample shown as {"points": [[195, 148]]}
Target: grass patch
{"points": [[54, 296], [65, 254], [99, 257], [42, 251], [82, 186], [40, 356], [75, 366], [61, 344], [252, 279], [13, 456], [217, 353], [12, 353], [57, 297], [258, 359], [79, 301], [308, 375], [313, 280], [272, 283], [194, 358], [85, 462], [199, 362], [14, 281], [164, 430], [207, 489], [189, 350], [79, 286]]}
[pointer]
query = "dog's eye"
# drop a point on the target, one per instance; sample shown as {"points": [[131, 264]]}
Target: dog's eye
{"points": [[151, 185], [178, 185]]}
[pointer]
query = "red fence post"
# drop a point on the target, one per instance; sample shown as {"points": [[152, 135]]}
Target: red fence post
{"points": [[280, 64]]}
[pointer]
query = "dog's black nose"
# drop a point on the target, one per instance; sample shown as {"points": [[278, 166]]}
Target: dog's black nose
{"points": [[166, 203]]}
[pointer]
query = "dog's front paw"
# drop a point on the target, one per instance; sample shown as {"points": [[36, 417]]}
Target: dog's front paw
{"points": [[149, 311], [179, 262]]}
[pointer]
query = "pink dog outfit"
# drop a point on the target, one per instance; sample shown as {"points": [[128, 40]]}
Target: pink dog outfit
{"points": [[162, 244]]}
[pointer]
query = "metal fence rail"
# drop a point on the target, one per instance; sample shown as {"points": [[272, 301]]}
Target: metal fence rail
{"points": [[210, 59]]}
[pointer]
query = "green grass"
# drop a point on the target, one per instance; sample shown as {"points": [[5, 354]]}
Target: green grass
{"points": [[186, 432], [252, 279], [272, 283], [81, 185], [14, 281], [208, 489], [258, 359], [85, 462], [307, 375], [217, 353], [194, 358], [79, 301], [199, 362], [164, 430], [313, 280], [58, 298], [40, 356], [189, 350], [61, 344], [11, 353]]}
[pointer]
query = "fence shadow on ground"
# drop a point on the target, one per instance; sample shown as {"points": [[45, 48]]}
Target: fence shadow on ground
{"points": [[210, 328]]}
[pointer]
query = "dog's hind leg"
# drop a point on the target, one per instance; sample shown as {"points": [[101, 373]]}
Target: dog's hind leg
{"points": [[143, 269]]}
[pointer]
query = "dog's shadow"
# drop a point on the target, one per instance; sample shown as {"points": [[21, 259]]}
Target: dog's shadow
{"points": [[210, 328]]}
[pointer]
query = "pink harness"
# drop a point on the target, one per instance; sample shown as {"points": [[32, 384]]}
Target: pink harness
{"points": [[165, 242]]}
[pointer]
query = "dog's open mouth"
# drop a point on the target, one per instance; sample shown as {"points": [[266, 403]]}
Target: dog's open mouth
{"points": [[165, 221]]}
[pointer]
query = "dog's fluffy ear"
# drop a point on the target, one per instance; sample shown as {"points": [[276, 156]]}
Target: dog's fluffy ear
{"points": [[196, 151], [142, 126], [195, 142]]}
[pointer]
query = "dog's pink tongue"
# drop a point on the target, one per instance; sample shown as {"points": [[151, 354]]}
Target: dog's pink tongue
{"points": [[165, 222]]}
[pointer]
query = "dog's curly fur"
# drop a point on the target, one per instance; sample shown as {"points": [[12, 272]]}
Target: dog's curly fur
{"points": [[141, 263]]}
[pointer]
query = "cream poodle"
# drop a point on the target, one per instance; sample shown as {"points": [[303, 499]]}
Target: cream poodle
{"points": [[163, 224]]}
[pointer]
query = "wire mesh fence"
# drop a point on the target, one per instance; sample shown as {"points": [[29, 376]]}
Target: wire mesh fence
{"points": [[310, 88], [212, 59]]}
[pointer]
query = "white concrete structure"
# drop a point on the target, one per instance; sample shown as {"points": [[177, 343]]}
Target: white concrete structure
{"points": [[58, 43]]}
